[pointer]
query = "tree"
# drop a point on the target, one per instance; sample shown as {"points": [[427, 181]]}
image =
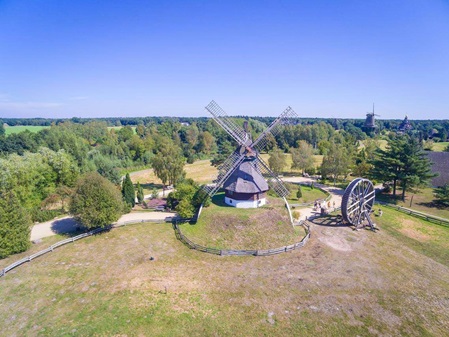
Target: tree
{"points": [[277, 161], [336, 162], [299, 192], [402, 161], [442, 195], [302, 157], [128, 192], [205, 142], [140, 195], [15, 225], [168, 163], [96, 201]]}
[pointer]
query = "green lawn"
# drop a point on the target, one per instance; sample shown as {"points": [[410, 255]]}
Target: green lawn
{"points": [[308, 194], [19, 128], [223, 226], [441, 146], [423, 201], [423, 236]]}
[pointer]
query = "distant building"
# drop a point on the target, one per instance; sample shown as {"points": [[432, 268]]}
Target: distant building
{"points": [[404, 126], [440, 165], [185, 124]]}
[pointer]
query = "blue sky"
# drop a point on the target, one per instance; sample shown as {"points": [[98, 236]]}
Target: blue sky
{"points": [[61, 58]]}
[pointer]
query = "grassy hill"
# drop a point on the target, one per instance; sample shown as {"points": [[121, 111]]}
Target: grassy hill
{"points": [[222, 226], [342, 283]]}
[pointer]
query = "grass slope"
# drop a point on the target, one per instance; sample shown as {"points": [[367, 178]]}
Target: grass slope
{"points": [[223, 226], [381, 284], [422, 202]]}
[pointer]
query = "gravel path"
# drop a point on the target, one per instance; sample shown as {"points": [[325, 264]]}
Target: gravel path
{"points": [[335, 192], [68, 224]]}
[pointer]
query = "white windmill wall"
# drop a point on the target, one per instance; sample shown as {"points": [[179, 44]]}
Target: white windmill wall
{"points": [[245, 203]]}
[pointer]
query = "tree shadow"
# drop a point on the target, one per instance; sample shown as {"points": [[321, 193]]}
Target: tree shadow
{"points": [[432, 204], [151, 186], [67, 227]]}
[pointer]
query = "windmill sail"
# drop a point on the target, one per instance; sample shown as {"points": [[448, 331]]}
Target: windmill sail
{"points": [[261, 142], [272, 179], [226, 123]]}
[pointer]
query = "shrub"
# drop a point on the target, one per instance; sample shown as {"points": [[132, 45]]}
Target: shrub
{"points": [[96, 202], [296, 215], [15, 225]]}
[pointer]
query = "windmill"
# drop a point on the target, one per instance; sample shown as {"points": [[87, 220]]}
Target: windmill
{"points": [[243, 173], [370, 123]]}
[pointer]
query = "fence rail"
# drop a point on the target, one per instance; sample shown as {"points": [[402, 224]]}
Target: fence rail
{"points": [[431, 218], [69, 240], [241, 252]]}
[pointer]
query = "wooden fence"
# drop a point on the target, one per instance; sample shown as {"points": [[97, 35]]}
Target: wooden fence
{"points": [[430, 218], [69, 240], [241, 252]]}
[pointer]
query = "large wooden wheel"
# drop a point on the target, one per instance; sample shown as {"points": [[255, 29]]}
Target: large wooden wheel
{"points": [[357, 202]]}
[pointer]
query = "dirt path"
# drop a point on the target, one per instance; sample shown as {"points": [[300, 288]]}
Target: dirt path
{"points": [[335, 192], [68, 224]]}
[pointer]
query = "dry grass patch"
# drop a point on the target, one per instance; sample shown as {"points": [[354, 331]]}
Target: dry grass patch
{"points": [[106, 285]]}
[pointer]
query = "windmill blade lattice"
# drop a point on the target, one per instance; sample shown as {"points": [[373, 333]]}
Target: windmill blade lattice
{"points": [[272, 179], [225, 170], [248, 149], [261, 142], [221, 117]]}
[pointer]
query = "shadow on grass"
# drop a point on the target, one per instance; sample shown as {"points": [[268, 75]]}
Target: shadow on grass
{"points": [[432, 204], [218, 200], [150, 186]]}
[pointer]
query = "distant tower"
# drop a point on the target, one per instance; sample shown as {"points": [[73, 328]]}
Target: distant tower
{"points": [[404, 126], [370, 122]]}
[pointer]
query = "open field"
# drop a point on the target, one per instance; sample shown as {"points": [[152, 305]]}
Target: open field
{"points": [[308, 194], [19, 128], [422, 202], [342, 283], [120, 127], [201, 171], [441, 146], [225, 227]]}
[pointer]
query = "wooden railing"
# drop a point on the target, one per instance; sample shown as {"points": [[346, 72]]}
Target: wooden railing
{"points": [[69, 240], [257, 252], [431, 218]]}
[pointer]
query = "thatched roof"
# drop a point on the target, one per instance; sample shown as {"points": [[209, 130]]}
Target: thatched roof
{"points": [[246, 179], [440, 165]]}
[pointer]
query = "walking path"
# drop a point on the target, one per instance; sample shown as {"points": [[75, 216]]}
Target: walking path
{"points": [[68, 224], [335, 192]]}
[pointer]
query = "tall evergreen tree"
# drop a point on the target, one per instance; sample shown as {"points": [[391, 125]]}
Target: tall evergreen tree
{"points": [[15, 225], [402, 161], [140, 195], [128, 192]]}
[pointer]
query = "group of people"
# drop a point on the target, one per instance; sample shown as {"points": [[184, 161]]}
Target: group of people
{"points": [[323, 208]]}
